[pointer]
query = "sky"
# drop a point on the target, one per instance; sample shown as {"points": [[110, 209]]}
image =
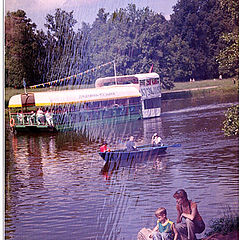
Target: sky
{"points": [[84, 10]]}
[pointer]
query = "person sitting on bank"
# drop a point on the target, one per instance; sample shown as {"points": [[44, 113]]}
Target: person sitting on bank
{"points": [[130, 145], [193, 221], [165, 229], [104, 148], [156, 140]]}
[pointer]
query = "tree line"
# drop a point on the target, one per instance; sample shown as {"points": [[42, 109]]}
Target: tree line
{"points": [[200, 41]]}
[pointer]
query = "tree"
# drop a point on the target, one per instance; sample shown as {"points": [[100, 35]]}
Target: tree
{"points": [[228, 57], [135, 38], [61, 46], [179, 62], [63, 51], [229, 62], [231, 123], [20, 49], [200, 23]]}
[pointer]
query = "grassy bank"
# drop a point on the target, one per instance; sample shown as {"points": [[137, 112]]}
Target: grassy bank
{"points": [[224, 84], [202, 88]]}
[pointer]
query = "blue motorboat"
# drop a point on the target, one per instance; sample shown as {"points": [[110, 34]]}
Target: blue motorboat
{"points": [[141, 152]]}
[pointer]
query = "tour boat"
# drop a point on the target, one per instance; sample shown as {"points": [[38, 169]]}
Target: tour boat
{"points": [[112, 100]]}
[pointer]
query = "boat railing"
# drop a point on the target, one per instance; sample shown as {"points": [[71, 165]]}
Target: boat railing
{"points": [[66, 117], [27, 119]]}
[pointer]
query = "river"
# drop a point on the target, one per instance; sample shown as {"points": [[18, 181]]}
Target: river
{"points": [[57, 187]]}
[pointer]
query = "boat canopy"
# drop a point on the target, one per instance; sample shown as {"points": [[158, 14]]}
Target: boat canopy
{"points": [[76, 96], [126, 78]]}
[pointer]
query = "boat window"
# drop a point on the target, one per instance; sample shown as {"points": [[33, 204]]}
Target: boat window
{"points": [[148, 82], [155, 81], [94, 105], [121, 101], [107, 103], [152, 103], [134, 101], [142, 82]]}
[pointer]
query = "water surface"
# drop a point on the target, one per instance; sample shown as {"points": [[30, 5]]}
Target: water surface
{"points": [[57, 187]]}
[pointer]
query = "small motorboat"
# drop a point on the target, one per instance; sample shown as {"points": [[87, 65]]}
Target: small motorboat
{"points": [[141, 152]]}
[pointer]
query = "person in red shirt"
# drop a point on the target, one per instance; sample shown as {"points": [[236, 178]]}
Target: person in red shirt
{"points": [[104, 148]]}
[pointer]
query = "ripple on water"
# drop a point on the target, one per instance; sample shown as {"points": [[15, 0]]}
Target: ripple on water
{"points": [[57, 187]]}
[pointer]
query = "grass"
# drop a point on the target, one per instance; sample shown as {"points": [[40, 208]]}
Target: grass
{"points": [[223, 84], [224, 225]]}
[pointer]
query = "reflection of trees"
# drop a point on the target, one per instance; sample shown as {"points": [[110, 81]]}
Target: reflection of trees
{"points": [[34, 148], [115, 134], [133, 166]]}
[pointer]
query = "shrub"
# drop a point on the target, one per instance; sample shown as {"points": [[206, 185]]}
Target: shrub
{"points": [[224, 225]]}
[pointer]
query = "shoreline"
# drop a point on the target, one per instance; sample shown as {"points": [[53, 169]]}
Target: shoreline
{"points": [[185, 93]]}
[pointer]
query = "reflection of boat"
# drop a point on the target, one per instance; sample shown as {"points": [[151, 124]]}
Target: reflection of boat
{"points": [[142, 152]]}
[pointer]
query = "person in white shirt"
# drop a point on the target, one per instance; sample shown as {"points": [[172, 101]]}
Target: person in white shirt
{"points": [[156, 140], [40, 115], [49, 119]]}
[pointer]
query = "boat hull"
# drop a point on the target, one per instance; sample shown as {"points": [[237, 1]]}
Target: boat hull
{"points": [[142, 152]]}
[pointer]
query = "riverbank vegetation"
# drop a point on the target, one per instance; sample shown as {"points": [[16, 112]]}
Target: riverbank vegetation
{"points": [[231, 123], [224, 225], [200, 41]]}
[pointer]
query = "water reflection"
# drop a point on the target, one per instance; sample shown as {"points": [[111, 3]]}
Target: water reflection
{"points": [[57, 186], [159, 163]]}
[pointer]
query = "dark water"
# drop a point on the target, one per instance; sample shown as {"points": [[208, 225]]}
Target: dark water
{"points": [[57, 187]]}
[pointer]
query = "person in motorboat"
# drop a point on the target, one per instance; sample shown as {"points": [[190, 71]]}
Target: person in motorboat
{"points": [[156, 140], [187, 209], [130, 145], [104, 148]]}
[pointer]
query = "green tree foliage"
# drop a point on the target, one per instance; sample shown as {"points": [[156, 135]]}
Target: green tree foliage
{"points": [[184, 47], [21, 50], [135, 38], [63, 45], [228, 57], [231, 123], [200, 23], [178, 59], [228, 60]]}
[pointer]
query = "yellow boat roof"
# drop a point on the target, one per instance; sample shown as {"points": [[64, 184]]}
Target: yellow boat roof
{"points": [[49, 98]]}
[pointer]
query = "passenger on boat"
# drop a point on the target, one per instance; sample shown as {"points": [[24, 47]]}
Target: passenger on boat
{"points": [[156, 140], [32, 117], [20, 117], [49, 119], [165, 229], [131, 144], [104, 148], [40, 116], [193, 221]]}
